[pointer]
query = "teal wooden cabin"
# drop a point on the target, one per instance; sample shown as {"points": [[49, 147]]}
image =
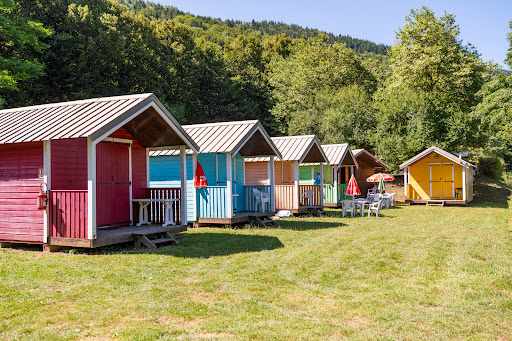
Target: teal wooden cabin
{"points": [[227, 199]]}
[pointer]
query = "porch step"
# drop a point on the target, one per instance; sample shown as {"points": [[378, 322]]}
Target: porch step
{"points": [[435, 203], [264, 221], [160, 238], [317, 212]]}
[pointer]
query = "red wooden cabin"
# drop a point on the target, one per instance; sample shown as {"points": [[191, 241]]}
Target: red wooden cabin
{"points": [[92, 158]]}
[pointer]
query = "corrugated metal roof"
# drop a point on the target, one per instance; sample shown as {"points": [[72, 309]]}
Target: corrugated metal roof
{"points": [[74, 119], [375, 161], [223, 137], [336, 153], [294, 148], [439, 151]]}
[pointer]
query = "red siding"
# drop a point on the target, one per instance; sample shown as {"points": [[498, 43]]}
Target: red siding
{"points": [[69, 164], [20, 221]]}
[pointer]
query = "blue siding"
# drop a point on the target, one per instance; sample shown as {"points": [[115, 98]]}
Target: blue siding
{"points": [[238, 185], [211, 202], [207, 161]]}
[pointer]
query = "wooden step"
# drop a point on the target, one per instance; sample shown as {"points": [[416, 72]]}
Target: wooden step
{"points": [[142, 239], [264, 221], [162, 240], [435, 203]]}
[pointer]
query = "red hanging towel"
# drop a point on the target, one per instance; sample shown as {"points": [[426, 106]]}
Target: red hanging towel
{"points": [[352, 187], [200, 179]]}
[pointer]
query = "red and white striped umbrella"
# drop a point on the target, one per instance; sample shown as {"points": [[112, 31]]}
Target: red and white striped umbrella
{"points": [[199, 178], [352, 187], [378, 176]]}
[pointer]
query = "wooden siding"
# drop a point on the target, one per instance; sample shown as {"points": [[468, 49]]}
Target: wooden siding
{"points": [[68, 214], [361, 173], [332, 195], [69, 164], [256, 173], [419, 176], [211, 202], [305, 175], [285, 197], [20, 221], [283, 172]]}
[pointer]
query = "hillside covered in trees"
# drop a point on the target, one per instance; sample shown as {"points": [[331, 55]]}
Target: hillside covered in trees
{"points": [[427, 89]]}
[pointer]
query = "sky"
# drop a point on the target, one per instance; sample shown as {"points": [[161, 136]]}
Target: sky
{"points": [[484, 24]]}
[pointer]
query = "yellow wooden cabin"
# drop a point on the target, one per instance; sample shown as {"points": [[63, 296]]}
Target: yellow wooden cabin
{"points": [[436, 175]]}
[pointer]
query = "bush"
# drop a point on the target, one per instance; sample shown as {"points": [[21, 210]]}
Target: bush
{"points": [[491, 167]]}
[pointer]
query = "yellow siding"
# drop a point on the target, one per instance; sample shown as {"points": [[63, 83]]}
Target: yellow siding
{"points": [[256, 173], [419, 178]]}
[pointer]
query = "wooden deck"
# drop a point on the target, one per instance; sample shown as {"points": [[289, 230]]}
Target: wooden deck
{"points": [[115, 236], [333, 205], [239, 217], [440, 201]]}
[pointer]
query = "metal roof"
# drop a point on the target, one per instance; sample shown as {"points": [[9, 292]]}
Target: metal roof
{"points": [[439, 151], [368, 157], [249, 138], [304, 148], [337, 154], [95, 118]]}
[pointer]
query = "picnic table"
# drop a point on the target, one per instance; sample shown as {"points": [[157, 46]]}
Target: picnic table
{"points": [[168, 211]]}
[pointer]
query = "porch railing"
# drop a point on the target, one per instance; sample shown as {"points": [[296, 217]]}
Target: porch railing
{"points": [[211, 202], [341, 192], [68, 214], [285, 197], [303, 199], [157, 209], [250, 200]]}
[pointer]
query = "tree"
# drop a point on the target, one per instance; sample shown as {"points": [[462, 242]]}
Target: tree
{"points": [[17, 36], [312, 68], [438, 77], [508, 60]]}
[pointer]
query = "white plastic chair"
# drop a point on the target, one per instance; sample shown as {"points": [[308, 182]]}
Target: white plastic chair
{"points": [[393, 199], [370, 193], [348, 205], [260, 198], [386, 197], [375, 207], [308, 194]]}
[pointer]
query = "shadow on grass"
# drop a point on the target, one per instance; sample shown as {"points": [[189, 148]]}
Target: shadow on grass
{"points": [[298, 225], [206, 245], [488, 204]]}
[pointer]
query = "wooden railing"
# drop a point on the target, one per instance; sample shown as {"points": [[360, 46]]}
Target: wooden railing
{"points": [[285, 197], [250, 199], [157, 209], [68, 214], [303, 199], [211, 202]]}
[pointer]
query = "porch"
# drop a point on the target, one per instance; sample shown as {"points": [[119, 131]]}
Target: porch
{"points": [[307, 196], [333, 194], [68, 219], [435, 202]]}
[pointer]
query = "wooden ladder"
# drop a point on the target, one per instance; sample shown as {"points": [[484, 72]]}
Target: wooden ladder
{"points": [[264, 221], [156, 239]]}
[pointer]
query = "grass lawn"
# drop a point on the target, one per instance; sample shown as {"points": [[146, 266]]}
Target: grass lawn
{"points": [[415, 273]]}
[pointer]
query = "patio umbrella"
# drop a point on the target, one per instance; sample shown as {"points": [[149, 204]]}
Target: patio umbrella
{"points": [[199, 178], [352, 187], [381, 187], [377, 177]]}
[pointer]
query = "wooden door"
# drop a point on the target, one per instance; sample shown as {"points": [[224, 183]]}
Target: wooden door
{"points": [[441, 181], [112, 184]]}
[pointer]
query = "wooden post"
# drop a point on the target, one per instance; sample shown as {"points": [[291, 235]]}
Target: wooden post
{"points": [[464, 184], [335, 182], [183, 177], [296, 183], [272, 183], [91, 189], [321, 184], [406, 175], [229, 184], [194, 190], [47, 179]]}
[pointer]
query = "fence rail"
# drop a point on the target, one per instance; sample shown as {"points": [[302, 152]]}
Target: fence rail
{"points": [[285, 197], [68, 214], [211, 202], [307, 200], [157, 208], [250, 199]]}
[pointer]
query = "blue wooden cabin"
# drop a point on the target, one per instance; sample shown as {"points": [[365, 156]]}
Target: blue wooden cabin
{"points": [[227, 199]]}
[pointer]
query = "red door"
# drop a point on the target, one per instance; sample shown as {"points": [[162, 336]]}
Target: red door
{"points": [[112, 184]]}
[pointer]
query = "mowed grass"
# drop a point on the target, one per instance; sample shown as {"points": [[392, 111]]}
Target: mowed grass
{"points": [[415, 273]]}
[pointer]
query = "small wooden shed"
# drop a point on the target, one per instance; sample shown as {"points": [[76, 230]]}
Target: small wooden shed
{"points": [[367, 165], [228, 198], [336, 172], [91, 156], [435, 175], [294, 192]]}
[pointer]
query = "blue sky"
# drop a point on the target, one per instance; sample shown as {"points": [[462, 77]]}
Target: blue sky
{"points": [[484, 24]]}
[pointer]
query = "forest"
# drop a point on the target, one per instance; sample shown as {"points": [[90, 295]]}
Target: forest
{"points": [[429, 88]]}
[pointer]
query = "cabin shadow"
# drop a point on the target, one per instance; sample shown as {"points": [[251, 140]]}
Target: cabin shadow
{"points": [[206, 245], [305, 225]]}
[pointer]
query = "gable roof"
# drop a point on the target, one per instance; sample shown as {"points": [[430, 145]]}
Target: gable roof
{"points": [[439, 151], [369, 158], [339, 154], [304, 148], [143, 115], [248, 138]]}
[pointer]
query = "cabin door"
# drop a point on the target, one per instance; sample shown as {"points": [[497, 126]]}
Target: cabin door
{"points": [[441, 181], [112, 184]]}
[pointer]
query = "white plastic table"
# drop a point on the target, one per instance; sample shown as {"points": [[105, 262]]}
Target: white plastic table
{"points": [[360, 203], [168, 211]]}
